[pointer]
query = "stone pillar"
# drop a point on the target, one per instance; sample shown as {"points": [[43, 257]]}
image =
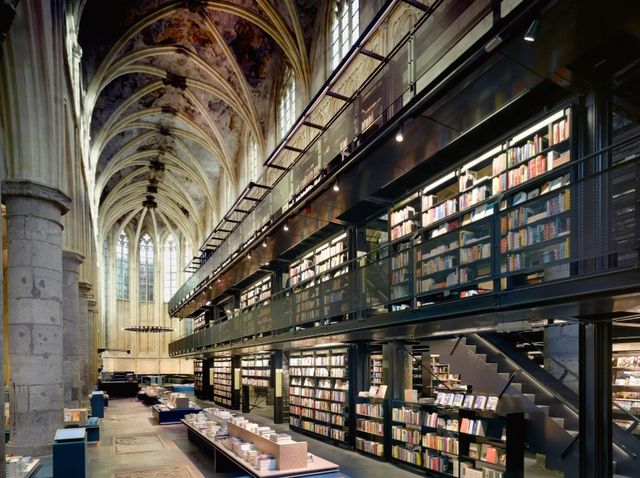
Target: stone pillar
{"points": [[72, 338], [85, 317], [34, 275], [562, 342], [93, 343]]}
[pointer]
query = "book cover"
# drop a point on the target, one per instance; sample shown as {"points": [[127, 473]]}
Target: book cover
{"points": [[492, 403], [468, 401], [480, 402], [474, 450], [457, 399], [449, 399], [382, 391], [489, 454]]}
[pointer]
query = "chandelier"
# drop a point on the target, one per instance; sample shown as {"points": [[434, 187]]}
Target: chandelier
{"points": [[148, 329]]}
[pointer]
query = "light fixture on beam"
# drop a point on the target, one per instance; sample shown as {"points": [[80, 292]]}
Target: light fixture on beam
{"points": [[532, 31]]}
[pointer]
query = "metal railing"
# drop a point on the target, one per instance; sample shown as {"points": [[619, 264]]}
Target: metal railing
{"points": [[404, 73], [369, 285]]}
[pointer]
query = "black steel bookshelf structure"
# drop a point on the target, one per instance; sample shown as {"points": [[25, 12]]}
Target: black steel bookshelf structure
{"points": [[441, 441], [320, 393], [202, 387], [564, 234], [372, 426]]}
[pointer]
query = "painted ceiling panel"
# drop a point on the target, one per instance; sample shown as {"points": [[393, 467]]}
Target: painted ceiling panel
{"points": [[174, 87]]}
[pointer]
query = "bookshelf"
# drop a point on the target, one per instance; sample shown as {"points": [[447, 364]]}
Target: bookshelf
{"points": [[447, 228], [371, 426], [222, 381], [626, 382], [375, 369], [442, 378], [256, 295], [416, 374], [256, 370], [319, 392], [326, 265], [200, 322], [198, 384], [456, 441]]}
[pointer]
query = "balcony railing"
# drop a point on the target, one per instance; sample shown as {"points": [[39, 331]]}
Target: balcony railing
{"points": [[592, 244], [449, 27]]}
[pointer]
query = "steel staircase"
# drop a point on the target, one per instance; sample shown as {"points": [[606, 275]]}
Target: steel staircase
{"points": [[494, 365]]}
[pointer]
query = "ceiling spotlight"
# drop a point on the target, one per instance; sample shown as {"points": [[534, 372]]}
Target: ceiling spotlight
{"points": [[264, 243], [286, 226], [208, 302], [399, 136], [532, 31], [249, 256], [336, 186]]}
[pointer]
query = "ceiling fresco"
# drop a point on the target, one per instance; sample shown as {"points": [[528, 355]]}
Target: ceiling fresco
{"points": [[180, 84]]}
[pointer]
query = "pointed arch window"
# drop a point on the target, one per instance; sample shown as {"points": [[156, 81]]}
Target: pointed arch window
{"points": [[345, 28], [122, 267], [287, 102], [146, 268], [188, 257], [252, 160], [170, 267]]}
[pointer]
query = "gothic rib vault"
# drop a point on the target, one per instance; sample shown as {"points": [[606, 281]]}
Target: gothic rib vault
{"points": [[173, 92]]}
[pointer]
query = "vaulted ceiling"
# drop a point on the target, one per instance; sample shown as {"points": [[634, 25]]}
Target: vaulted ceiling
{"points": [[173, 89]]}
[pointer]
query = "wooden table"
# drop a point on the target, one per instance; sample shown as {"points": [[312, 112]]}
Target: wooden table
{"points": [[226, 460]]}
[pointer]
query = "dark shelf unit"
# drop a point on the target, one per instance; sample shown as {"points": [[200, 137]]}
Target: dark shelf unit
{"points": [[319, 392], [438, 440], [372, 426], [223, 381]]}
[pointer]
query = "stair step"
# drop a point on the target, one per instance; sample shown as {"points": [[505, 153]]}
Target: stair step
{"points": [[517, 386], [493, 366], [530, 396], [573, 433], [544, 409], [558, 420]]}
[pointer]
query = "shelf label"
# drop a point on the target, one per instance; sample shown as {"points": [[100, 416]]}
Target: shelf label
{"points": [[278, 383]]}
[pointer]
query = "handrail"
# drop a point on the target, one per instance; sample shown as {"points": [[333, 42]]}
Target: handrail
{"points": [[195, 282]]}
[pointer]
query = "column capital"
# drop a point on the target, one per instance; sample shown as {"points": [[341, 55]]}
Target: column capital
{"points": [[30, 189], [92, 305], [85, 288], [71, 260]]}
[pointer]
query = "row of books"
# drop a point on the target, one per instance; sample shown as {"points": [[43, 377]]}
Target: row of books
{"points": [[324, 430], [369, 446], [318, 372], [333, 407], [407, 435], [370, 410], [334, 395], [370, 426], [442, 443], [478, 402], [526, 259], [523, 216], [318, 360], [531, 235]]}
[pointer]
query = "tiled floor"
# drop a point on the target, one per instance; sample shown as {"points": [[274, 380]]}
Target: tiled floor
{"points": [[132, 445]]}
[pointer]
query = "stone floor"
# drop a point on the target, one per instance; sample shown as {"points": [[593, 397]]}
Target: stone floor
{"points": [[132, 445]]}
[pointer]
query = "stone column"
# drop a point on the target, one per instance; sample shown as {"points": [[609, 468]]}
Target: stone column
{"points": [[72, 338], [562, 342], [93, 343], [83, 329], [34, 275]]}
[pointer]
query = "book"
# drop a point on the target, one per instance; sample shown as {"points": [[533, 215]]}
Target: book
{"points": [[439, 398], [468, 401], [448, 399], [489, 454], [474, 450], [381, 392], [492, 403], [480, 402], [457, 399]]}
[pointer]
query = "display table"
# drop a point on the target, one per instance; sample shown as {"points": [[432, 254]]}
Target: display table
{"points": [[93, 430], [225, 460], [70, 453], [165, 414], [119, 388]]}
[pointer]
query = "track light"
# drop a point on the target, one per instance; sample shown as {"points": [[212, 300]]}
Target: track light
{"points": [[264, 243], [249, 256], [399, 136], [286, 227], [532, 31], [336, 186]]}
